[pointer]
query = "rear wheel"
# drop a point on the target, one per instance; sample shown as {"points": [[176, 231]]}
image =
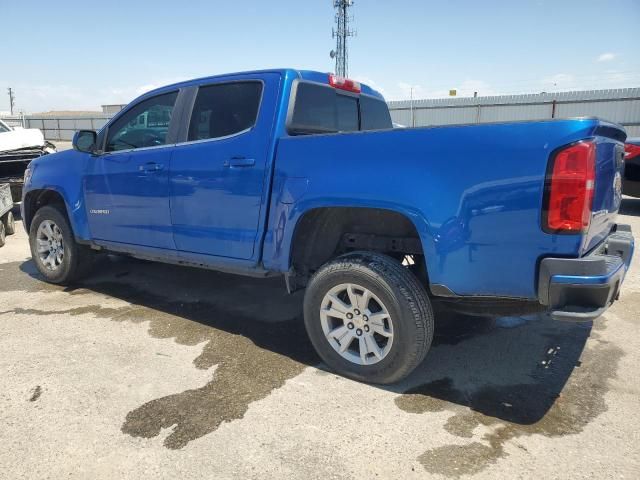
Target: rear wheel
{"points": [[53, 248], [368, 317], [9, 223]]}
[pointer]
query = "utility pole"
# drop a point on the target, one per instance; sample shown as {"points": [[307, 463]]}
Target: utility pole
{"points": [[12, 100], [341, 33]]}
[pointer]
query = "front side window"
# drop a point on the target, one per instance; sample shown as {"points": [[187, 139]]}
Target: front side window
{"points": [[224, 109], [144, 125]]}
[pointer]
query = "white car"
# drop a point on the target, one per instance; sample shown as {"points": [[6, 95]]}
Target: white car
{"points": [[18, 146]]}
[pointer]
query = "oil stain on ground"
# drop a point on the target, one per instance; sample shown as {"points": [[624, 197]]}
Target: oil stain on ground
{"points": [[36, 393], [254, 336], [557, 393]]}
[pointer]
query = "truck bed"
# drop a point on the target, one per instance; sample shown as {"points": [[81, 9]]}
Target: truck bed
{"points": [[474, 194]]}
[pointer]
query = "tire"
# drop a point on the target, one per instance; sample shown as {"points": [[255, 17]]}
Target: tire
{"points": [[76, 259], [9, 223], [3, 234], [393, 292]]}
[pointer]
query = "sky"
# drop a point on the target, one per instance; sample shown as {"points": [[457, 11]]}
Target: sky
{"points": [[78, 55]]}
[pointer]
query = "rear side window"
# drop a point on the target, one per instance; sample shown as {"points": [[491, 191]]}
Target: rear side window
{"points": [[323, 109], [224, 109]]}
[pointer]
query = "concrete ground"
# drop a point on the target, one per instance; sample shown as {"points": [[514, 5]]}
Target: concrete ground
{"points": [[154, 371]]}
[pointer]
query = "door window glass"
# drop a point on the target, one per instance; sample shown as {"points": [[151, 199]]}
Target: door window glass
{"points": [[224, 109], [144, 125]]}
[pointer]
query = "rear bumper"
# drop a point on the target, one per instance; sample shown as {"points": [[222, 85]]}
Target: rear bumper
{"points": [[581, 289]]}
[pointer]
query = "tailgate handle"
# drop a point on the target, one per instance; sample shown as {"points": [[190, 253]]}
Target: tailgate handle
{"points": [[239, 162]]}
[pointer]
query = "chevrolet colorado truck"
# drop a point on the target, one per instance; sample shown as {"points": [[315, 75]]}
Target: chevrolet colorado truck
{"points": [[300, 174]]}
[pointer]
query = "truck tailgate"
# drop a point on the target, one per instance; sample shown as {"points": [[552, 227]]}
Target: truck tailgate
{"points": [[608, 184]]}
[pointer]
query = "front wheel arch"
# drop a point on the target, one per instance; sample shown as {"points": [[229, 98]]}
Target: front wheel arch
{"points": [[36, 199]]}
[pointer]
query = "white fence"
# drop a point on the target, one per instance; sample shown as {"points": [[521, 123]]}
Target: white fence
{"points": [[620, 106], [59, 127]]}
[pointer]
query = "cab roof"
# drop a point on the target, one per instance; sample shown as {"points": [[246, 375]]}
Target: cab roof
{"points": [[308, 75]]}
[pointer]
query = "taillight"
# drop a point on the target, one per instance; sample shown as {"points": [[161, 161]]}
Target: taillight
{"points": [[569, 189], [344, 83], [631, 151]]}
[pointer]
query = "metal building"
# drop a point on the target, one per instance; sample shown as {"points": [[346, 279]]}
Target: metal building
{"points": [[618, 105]]}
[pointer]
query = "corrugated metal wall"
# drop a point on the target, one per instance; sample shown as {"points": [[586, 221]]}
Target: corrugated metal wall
{"points": [[63, 128], [620, 105]]}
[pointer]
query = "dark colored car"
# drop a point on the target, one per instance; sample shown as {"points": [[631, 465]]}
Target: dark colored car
{"points": [[631, 182]]}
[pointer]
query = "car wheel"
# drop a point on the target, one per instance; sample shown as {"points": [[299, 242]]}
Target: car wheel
{"points": [[54, 250], [9, 223], [368, 317]]}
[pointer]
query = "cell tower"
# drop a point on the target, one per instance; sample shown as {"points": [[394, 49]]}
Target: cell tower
{"points": [[341, 33]]}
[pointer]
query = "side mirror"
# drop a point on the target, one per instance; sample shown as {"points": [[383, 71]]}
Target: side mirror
{"points": [[85, 141]]}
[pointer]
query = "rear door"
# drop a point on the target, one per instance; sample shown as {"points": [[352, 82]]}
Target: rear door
{"points": [[218, 175], [127, 187]]}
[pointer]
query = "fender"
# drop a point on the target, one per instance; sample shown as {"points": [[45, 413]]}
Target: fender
{"points": [[62, 173], [285, 216]]}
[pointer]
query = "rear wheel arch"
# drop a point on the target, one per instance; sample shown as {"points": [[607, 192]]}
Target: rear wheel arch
{"points": [[321, 234]]}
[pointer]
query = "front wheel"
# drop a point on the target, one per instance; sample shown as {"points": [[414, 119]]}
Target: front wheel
{"points": [[54, 250], [368, 317]]}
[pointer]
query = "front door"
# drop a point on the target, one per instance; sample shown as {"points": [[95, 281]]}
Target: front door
{"points": [[127, 187], [218, 176]]}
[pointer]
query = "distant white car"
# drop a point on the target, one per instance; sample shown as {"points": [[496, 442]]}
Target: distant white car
{"points": [[18, 146], [18, 138]]}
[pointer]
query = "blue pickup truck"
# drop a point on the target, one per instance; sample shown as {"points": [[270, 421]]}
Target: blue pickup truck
{"points": [[300, 174]]}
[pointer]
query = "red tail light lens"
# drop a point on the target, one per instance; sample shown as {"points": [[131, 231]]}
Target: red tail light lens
{"points": [[631, 151], [344, 84], [569, 189]]}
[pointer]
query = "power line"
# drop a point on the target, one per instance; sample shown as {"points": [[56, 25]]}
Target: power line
{"points": [[602, 81]]}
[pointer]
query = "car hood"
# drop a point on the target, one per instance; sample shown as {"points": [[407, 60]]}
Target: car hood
{"points": [[21, 138]]}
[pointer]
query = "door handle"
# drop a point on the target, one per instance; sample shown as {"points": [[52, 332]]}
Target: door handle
{"points": [[151, 167], [239, 162]]}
